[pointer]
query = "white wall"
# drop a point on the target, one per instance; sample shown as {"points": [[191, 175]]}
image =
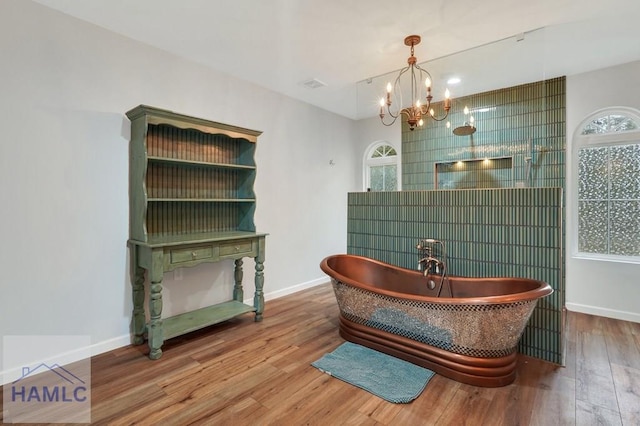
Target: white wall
{"points": [[597, 287], [65, 86]]}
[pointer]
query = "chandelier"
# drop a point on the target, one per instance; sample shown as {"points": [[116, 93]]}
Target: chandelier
{"points": [[417, 75]]}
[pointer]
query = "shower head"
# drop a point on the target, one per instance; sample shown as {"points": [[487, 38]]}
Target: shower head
{"points": [[465, 130]]}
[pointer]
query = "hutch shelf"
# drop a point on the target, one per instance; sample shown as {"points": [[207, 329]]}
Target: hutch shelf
{"points": [[191, 202]]}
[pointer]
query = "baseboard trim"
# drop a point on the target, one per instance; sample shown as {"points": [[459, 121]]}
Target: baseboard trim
{"points": [[290, 290], [603, 312], [8, 376], [111, 344]]}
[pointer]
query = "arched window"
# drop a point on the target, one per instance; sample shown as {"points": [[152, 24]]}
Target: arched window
{"points": [[607, 172], [381, 168]]}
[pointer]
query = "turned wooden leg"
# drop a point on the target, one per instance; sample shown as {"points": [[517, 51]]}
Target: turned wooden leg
{"points": [[155, 320], [138, 322], [258, 299], [155, 334], [238, 293]]}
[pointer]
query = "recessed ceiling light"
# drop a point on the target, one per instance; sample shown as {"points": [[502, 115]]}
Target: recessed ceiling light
{"points": [[453, 80]]}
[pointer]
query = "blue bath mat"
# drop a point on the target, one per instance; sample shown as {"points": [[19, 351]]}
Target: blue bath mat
{"points": [[385, 376]]}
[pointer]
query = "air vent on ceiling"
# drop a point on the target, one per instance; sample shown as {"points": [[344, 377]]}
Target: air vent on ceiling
{"points": [[313, 83]]}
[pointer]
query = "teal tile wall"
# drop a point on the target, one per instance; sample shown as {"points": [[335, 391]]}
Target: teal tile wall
{"points": [[514, 232], [526, 121]]}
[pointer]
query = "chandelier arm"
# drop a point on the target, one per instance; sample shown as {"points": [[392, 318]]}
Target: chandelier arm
{"points": [[424, 109], [392, 114], [433, 116], [418, 67], [388, 124], [393, 119]]}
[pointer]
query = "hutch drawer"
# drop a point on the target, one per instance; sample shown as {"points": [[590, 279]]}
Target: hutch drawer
{"points": [[239, 247], [190, 253]]}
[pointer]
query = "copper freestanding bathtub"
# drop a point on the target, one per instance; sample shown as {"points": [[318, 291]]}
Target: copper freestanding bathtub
{"points": [[467, 330]]}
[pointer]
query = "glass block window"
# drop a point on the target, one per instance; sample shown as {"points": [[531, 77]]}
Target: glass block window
{"points": [[608, 179], [384, 178], [381, 168], [610, 123]]}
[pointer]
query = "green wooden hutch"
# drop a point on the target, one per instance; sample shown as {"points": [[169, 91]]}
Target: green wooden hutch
{"points": [[191, 202]]}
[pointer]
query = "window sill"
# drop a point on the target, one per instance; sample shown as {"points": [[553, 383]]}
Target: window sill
{"points": [[606, 258]]}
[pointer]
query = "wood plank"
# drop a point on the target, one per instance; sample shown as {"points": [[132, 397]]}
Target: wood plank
{"points": [[622, 346], [242, 412], [430, 405], [514, 404], [627, 381], [585, 323], [594, 383], [213, 400], [467, 407], [297, 403], [555, 400], [570, 368], [590, 414], [289, 389], [357, 418], [333, 404]]}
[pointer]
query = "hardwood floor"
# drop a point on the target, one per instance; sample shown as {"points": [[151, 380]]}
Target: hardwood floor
{"points": [[247, 373]]}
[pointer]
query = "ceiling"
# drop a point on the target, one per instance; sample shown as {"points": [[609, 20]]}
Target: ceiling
{"points": [[351, 45]]}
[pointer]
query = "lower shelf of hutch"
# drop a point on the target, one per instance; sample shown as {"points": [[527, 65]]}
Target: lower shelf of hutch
{"points": [[203, 317]]}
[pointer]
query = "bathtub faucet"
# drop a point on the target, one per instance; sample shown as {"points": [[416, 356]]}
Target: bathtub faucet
{"points": [[428, 263], [431, 265], [432, 258]]}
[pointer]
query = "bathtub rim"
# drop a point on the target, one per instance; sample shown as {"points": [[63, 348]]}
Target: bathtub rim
{"points": [[543, 289]]}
